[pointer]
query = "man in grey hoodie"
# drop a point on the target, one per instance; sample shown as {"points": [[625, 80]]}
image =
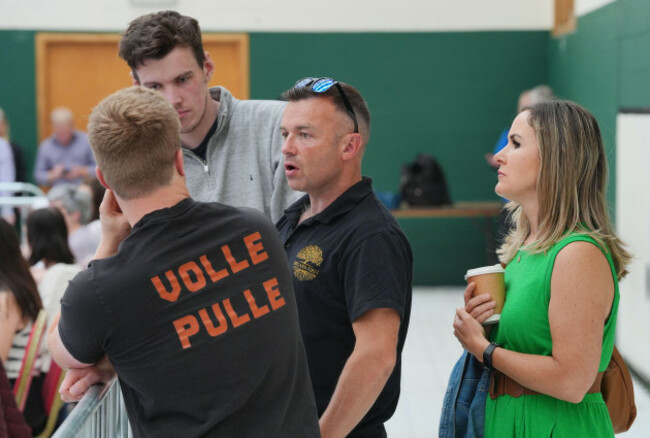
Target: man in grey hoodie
{"points": [[231, 147]]}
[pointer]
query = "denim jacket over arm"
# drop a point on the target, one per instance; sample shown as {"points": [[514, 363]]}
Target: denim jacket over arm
{"points": [[463, 409]]}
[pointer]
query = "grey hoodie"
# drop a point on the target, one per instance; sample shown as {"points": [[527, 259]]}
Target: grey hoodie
{"points": [[244, 165]]}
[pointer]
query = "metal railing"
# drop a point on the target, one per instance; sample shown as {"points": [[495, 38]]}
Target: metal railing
{"points": [[30, 193], [99, 414], [31, 197]]}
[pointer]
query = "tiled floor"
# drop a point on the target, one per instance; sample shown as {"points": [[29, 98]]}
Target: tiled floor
{"points": [[429, 354]]}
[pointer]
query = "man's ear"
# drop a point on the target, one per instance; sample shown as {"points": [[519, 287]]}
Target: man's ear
{"points": [[134, 78], [100, 177], [352, 147], [208, 67], [178, 162]]}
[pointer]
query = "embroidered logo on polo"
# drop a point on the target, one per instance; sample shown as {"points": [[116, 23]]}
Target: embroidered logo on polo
{"points": [[307, 264]]}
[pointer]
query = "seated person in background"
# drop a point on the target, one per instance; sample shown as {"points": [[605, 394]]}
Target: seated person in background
{"points": [[66, 155], [50, 257], [16, 149], [76, 205], [16, 424], [20, 174], [191, 303], [7, 174], [527, 98], [96, 190], [19, 307], [352, 264]]}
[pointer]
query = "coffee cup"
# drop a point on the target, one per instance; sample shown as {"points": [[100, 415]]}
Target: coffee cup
{"points": [[490, 280]]}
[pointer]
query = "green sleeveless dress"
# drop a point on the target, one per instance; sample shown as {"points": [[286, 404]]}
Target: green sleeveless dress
{"points": [[524, 327]]}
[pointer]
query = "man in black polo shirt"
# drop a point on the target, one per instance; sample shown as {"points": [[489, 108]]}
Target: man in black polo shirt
{"points": [[191, 302], [351, 263]]}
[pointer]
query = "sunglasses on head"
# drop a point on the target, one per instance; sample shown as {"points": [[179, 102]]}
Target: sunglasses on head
{"points": [[321, 85]]}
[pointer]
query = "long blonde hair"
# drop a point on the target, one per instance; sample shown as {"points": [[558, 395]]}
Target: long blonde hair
{"points": [[571, 184]]}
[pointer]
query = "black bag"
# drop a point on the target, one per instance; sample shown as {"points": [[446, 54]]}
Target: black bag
{"points": [[423, 182]]}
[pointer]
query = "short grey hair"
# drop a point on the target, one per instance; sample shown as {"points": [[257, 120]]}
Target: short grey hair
{"points": [[541, 94], [73, 200], [61, 115]]}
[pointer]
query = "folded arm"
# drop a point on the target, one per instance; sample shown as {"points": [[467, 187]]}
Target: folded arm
{"points": [[80, 375]]}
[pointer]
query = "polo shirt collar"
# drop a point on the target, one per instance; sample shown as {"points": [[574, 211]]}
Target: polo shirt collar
{"points": [[341, 205]]}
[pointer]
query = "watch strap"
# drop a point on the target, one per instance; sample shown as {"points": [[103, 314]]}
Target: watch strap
{"points": [[487, 355]]}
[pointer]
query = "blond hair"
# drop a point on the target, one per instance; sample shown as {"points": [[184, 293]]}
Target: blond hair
{"points": [[571, 184], [134, 134]]}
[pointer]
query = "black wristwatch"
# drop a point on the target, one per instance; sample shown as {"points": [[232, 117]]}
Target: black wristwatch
{"points": [[487, 355]]}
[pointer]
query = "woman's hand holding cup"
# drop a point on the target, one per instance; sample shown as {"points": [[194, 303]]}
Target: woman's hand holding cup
{"points": [[486, 281], [481, 307]]}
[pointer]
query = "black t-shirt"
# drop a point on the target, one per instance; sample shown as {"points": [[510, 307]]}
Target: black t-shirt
{"points": [[197, 314], [350, 258]]}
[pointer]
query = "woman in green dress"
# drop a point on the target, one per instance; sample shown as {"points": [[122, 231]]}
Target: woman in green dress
{"points": [[556, 331]]}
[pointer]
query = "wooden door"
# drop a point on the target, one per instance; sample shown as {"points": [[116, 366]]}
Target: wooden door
{"points": [[79, 70]]}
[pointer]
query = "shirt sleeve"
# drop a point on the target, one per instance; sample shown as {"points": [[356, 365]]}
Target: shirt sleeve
{"points": [[378, 274], [502, 141], [7, 174], [83, 325], [41, 168]]}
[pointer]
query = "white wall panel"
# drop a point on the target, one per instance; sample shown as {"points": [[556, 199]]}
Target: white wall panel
{"points": [[633, 226], [583, 7]]}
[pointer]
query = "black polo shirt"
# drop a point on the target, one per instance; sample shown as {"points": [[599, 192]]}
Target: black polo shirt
{"points": [[346, 260]]}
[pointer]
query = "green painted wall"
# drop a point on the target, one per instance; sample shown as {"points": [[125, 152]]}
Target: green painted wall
{"points": [[634, 46], [605, 66], [18, 88], [449, 94], [583, 67]]}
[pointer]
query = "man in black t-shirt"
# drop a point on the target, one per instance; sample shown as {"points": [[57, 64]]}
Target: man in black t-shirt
{"points": [[191, 303], [352, 265]]}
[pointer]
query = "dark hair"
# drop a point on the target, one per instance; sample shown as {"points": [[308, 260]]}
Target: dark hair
{"points": [[153, 36], [15, 275], [98, 191], [47, 235], [357, 102]]}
